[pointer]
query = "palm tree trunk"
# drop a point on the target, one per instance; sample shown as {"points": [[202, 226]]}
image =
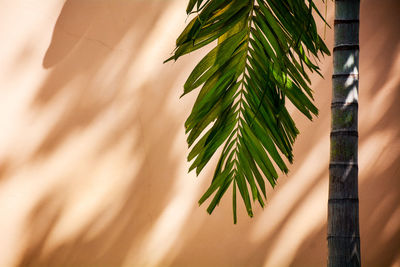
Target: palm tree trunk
{"points": [[343, 219]]}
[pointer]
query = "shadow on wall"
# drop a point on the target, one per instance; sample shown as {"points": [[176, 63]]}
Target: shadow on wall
{"points": [[107, 177], [117, 115]]}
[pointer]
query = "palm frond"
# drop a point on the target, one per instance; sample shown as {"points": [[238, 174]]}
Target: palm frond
{"points": [[260, 61]]}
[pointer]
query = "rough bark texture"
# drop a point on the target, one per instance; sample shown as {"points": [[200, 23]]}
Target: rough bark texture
{"points": [[343, 219]]}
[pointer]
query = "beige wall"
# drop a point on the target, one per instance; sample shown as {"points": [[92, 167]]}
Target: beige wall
{"points": [[92, 146]]}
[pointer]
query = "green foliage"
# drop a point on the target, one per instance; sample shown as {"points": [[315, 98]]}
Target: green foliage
{"points": [[262, 54]]}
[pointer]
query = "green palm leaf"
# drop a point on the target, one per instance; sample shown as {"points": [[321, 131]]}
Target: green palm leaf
{"points": [[260, 61]]}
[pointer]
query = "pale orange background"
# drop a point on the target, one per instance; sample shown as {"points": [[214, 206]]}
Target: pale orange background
{"points": [[92, 146]]}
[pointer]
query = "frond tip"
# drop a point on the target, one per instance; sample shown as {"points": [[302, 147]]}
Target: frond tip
{"points": [[260, 62]]}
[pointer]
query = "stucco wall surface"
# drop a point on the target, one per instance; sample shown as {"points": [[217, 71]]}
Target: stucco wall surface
{"points": [[93, 167]]}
